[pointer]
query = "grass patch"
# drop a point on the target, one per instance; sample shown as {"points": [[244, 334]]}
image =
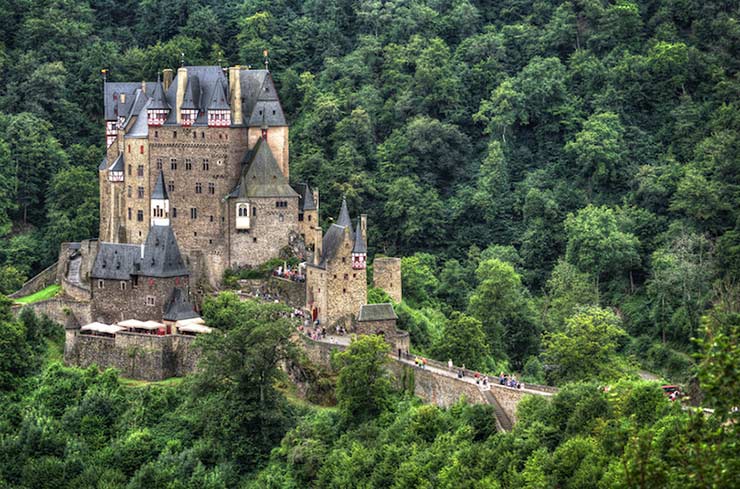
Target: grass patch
{"points": [[171, 382], [41, 295]]}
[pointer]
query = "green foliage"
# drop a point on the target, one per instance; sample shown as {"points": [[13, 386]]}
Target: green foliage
{"points": [[585, 348], [463, 341], [363, 385]]}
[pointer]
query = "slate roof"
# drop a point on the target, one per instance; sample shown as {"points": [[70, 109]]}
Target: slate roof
{"points": [[116, 261], [330, 244], [160, 257], [160, 191], [117, 164], [360, 245], [140, 128], [103, 164], [307, 203], [111, 98], [178, 306], [344, 219], [377, 312], [261, 176], [206, 88], [158, 101]]}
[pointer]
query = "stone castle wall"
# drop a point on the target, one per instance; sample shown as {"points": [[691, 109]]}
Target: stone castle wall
{"points": [[59, 308], [387, 276], [438, 389], [136, 356], [270, 232], [40, 281], [112, 304], [291, 293]]}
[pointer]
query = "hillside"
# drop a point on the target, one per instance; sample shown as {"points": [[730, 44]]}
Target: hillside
{"points": [[562, 180]]}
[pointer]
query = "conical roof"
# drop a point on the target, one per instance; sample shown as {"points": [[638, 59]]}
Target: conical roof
{"points": [[160, 191], [360, 245], [308, 203], [344, 219], [188, 101], [219, 99], [159, 102], [162, 256], [263, 177]]}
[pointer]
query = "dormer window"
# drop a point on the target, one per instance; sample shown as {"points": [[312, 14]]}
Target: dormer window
{"points": [[188, 116], [156, 117], [219, 118]]}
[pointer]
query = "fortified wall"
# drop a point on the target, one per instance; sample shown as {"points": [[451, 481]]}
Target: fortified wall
{"points": [[432, 387], [136, 356]]}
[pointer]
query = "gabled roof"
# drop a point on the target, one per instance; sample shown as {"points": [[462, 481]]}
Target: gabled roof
{"points": [[111, 98], [377, 312], [262, 176], [160, 191], [103, 164], [140, 128], [178, 306], [162, 256], [360, 245]]}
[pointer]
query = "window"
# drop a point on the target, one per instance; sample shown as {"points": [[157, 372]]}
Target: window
{"points": [[129, 213], [300, 217], [254, 211], [344, 259], [171, 186], [173, 163], [100, 284], [195, 233], [150, 300], [309, 218], [140, 216], [159, 163], [281, 204], [195, 135], [129, 191], [354, 275], [198, 188], [140, 171], [193, 213], [129, 148], [344, 291], [135, 281], [210, 241], [174, 212], [188, 164], [140, 192], [206, 165], [202, 135], [123, 285], [281, 218], [156, 134], [174, 134], [141, 149], [129, 170], [211, 188], [254, 240], [211, 218], [243, 210], [346, 276]]}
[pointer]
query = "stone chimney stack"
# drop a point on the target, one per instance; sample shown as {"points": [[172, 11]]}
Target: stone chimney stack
{"points": [[166, 78], [143, 86], [235, 93], [182, 85]]}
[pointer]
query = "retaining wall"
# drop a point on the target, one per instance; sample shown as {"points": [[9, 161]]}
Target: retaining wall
{"points": [[59, 309], [42, 280]]}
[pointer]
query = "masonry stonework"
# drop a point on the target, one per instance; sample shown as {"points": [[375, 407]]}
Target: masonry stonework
{"points": [[387, 276]]}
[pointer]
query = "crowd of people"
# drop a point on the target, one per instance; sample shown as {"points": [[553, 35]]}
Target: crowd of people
{"points": [[289, 273]]}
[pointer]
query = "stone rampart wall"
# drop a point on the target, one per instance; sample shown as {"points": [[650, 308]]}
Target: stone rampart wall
{"points": [[75, 291], [136, 356], [58, 309], [42, 280], [291, 293]]}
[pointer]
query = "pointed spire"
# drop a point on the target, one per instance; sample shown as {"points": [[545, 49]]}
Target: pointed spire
{"points": [[160, 191], [158, 100], [360, 245], [344, 219]]}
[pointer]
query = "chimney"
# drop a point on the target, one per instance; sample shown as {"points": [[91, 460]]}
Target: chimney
{"points": [[167, 78], [235, 92], [122, 98], [182, 85], [317, 245], [143, 86], [316, 200], [363, 226]]}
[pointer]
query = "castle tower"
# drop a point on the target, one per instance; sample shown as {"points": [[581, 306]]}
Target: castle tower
{"points": [[160, 203], [359, 251], [387, 276]]}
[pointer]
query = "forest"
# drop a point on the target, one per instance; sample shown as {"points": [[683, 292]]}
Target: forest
{"points": [[562, 180]]}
